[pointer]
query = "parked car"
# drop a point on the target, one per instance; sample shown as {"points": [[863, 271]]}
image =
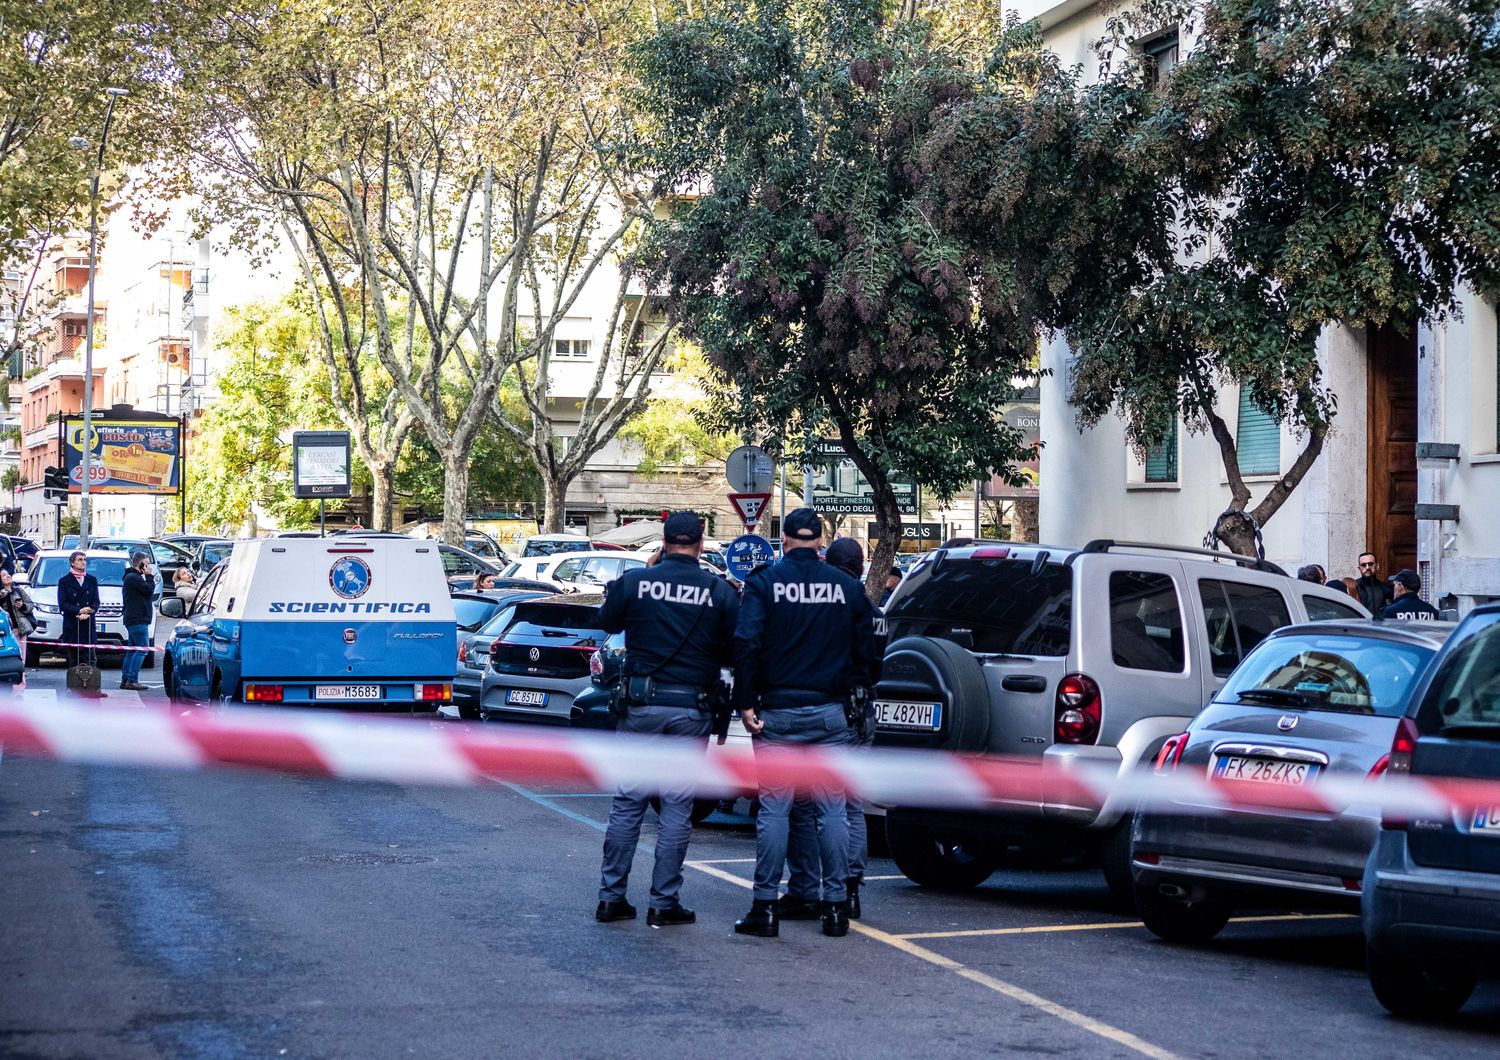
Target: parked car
{"points": [[1312, 701], [23, 551], [166, 556], [551, 544], [1085, 658], [474, 648], [190, 542], [462, 568], [576, 571], [209, 554], [540, 664], [109, 568], [1432, 884], [485, 546]]}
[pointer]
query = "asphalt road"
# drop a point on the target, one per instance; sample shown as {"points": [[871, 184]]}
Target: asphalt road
{"points": [[152, 914]]}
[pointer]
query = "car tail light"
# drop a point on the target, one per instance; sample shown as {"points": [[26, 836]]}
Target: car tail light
{"points": [[263, 693], [596, 665], [1171, 753], [1147, 859], [1402, 747], [1378, 770], [1077, 710], [463, 651], [990, 553], [434, 693]]}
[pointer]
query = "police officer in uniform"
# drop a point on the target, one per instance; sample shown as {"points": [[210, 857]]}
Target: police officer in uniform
{"points": [[678, 621], [805, 636]]}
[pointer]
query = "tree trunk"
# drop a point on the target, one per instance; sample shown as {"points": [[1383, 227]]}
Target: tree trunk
{"points": [[1236, 527], [455, 496], [888, 524], [554, 499], [382, 493], [1026, 519]]}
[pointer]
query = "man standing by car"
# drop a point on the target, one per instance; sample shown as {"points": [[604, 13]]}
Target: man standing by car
{"points": [[678, 622], [1372, 592], [1407, 604], [78, 600], [137, 588], [804, 639]]}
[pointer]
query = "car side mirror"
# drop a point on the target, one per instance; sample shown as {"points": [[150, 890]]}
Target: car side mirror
{"points": [[171, 607]]}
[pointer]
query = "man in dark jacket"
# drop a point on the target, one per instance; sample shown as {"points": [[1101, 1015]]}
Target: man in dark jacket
{"points": [[1372, 592], [138, 588], [1407, 584], [78, 600]]}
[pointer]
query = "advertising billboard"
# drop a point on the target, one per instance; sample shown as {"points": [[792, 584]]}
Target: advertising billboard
{"points": [[128, 453], [320, 464]]}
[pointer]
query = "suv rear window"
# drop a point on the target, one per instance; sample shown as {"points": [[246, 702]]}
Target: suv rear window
{"points": [[992, 606], [1350, 674], [532, 620], [1465, 692]]}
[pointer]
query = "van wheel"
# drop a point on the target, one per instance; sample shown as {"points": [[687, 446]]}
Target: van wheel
{"points": [[1406, 989], [1179, 920], [930, 860], [1114, 857]]}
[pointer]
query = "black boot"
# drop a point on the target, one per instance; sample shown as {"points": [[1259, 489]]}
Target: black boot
{"points": [[676, 914], [836, 919], [761, 920], [790, 908], [853, 883], [608, 912]]}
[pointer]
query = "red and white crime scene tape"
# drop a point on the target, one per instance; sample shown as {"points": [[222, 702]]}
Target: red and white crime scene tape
{"points": [[94, 647], [401, 751]]}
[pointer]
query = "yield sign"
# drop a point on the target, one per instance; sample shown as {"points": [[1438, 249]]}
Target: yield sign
{"points": [[749, 505]]}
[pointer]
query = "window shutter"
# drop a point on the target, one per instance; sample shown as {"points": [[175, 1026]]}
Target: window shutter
{"points": [[1161, 460], [1258, 439]]}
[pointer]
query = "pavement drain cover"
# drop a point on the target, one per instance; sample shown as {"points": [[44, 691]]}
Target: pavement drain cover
{"points": [[365, 859]]}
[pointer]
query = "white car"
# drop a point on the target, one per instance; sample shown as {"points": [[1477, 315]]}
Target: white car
{"points": [[575, 571], [41, 584]]}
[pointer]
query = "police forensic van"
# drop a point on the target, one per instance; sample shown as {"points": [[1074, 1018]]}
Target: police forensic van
{"points": [[337, 621]]}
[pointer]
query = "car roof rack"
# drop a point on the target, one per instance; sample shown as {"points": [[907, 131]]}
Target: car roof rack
{"points": [[1104, 544]]}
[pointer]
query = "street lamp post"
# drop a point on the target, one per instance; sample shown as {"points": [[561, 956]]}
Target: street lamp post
{"points": [[86, 446]]}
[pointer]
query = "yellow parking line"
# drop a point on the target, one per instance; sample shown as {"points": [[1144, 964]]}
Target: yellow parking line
{"points": [[1045, 929], [999, 986]]}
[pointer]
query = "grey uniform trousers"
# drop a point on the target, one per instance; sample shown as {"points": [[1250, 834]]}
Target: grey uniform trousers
{"points": [[629, 809], [802, 849], [822, 723]]}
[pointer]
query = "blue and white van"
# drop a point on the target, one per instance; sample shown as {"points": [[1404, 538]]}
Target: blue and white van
{"points": [[338, 621]]}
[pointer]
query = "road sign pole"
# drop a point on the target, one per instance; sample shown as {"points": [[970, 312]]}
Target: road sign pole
{"points": [[782, 520], [807, 485]]}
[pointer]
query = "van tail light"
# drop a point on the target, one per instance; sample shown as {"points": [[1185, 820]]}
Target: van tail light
{"points": [[263, 693], [1078, 709], [1171, 753], [596, 665], [1398, 763], [434, 693]]}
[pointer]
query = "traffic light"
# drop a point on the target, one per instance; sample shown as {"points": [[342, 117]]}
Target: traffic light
{"points": [[55, 481]]}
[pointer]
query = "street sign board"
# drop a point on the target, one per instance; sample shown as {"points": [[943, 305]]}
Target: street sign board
{"points": [[750, 469], [320, 464], [747, 552], [927, 533], [852, 504], [750, 506]]}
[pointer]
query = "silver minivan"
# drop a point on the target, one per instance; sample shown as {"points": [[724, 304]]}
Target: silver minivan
{"points": [[1088, 658]]}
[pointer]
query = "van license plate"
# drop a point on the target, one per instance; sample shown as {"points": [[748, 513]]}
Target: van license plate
{"points": [[1486, 820], [895, 715], [525, 697], [346, 692], [1264, 770]]}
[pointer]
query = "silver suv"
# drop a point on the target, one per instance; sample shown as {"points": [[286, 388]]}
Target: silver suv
{"points": [[1090, 658]]}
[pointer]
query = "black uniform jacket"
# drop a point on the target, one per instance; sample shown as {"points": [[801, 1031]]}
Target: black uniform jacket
{"points": [[678, 620], [806, 635]]}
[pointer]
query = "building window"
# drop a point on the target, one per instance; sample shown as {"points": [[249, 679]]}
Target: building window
{"points": [[574, 348], [1161, 459], [1159, 56], [1257, 439]]}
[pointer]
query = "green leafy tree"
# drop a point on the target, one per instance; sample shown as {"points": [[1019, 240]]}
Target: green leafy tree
{"points": [[802, 257], [671, 430], [1309, 164]]}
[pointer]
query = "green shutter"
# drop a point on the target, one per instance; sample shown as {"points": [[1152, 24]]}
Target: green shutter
{"points": [[1258, 439], [1161, 460]]}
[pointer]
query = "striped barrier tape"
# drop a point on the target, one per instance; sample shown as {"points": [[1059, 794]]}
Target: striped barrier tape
{"points": [[33, 642], [401, 751]]}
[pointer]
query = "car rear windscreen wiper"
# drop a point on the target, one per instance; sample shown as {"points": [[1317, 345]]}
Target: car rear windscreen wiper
{"points": [[1283, 696]]}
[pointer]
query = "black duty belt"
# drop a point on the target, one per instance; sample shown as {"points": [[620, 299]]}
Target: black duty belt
{"points": [[786, 698], [664, 695]]}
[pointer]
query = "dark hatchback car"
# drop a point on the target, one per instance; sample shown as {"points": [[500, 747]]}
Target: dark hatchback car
{"points": [[474, 642], [540, 664], [1432, 885], [1311, 701]]}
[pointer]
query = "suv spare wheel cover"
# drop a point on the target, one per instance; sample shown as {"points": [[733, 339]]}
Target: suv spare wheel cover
{"points": [[918, 668]]}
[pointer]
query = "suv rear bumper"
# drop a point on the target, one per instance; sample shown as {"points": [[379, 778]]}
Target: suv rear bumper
{"points": [[1418, 911]]}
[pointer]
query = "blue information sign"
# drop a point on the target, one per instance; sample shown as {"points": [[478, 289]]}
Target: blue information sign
{"points": [[747, 552]]}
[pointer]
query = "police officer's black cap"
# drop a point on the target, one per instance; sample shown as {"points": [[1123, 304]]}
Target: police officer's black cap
{"points": [[1409, 578], [802, 524], [682, 528]]}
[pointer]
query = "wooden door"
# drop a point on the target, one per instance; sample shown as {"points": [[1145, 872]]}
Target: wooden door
{"points": [[1391, 523]]}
